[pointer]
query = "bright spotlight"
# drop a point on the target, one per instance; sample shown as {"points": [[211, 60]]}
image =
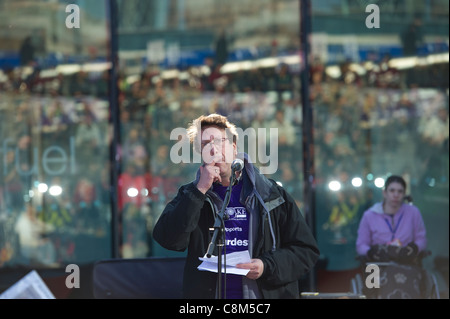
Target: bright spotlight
{"points": [[55, 190], [334, 186], [132, 192], [357, 182], [379, 182], [42, 187]]}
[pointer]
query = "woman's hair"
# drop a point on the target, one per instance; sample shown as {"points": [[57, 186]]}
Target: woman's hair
{"points": [[395, 179], [195, 128]]}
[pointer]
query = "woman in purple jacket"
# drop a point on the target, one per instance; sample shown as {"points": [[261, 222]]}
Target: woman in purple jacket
{"points": [[392, 229]]}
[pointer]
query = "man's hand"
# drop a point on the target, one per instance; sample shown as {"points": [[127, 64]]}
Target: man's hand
{"points": [[209, 173], [256, 267]]}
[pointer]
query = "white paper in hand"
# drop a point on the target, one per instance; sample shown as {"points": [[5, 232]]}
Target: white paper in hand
{"points": [[239, 257]]}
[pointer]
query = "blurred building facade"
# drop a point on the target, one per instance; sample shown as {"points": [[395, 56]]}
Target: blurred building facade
{"points": [[86, 169]]}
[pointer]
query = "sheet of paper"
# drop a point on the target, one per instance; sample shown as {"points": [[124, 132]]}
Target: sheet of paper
{"points": [[29, 287], [240, 257]]}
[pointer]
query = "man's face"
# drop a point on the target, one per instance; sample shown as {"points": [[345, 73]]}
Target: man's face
{"points": [[217, 147]]}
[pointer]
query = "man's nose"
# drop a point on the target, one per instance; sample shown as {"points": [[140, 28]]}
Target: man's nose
{"points": [[214, 149]]}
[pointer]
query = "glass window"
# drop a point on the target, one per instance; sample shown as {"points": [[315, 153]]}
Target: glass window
{"points": [[181, 59], [380, 101], [377, 89], [54, 133]]}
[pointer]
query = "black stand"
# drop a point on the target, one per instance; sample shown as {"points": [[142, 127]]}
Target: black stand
{"points": [[219, 234]]}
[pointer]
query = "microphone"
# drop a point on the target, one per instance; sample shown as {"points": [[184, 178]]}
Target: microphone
{"points": [[237, 165]]}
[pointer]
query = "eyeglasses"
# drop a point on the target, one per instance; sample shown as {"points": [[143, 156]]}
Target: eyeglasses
{"points": [[217, 141]]}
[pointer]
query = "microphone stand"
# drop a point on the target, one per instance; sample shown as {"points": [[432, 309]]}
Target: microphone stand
{"points": [[219, 234]]}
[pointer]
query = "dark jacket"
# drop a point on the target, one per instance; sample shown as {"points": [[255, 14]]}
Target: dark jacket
{"points": [[278, 235]]}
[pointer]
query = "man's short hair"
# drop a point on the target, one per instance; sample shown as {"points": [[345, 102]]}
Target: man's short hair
{"points": [[216, 120]]}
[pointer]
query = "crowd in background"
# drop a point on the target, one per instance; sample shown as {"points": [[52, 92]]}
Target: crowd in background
{"points": [[385, 118]]}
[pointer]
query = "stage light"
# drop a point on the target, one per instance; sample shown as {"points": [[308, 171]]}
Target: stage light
{"points": [[334, 186], [357, 182], [379, 182], [42, 187], [55, 190], [132, 192]]}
